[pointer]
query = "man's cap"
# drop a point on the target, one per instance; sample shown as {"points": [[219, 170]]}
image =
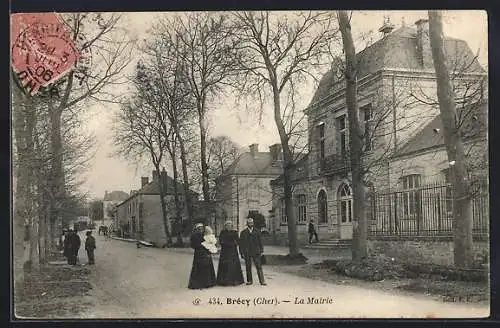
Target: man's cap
{"points": [[197, 225]]}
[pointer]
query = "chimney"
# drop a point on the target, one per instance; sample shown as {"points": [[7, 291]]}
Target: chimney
{"points": [[386, 27], [424, 53], [164, 178], [144, 181], [275, 151], [155, 175], [254, 149]]}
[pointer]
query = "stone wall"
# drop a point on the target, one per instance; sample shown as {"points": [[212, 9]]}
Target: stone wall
{"points": [[422, 250], [154, 230], [281, 238]]}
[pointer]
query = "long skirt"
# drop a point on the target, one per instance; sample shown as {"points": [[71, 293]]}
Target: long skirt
{"points": [[229, 271], [203, 272]]}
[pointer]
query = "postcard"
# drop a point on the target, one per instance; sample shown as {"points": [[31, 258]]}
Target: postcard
{"points": [[250, 164]]}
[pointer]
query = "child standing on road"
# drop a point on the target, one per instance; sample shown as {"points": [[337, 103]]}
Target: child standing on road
{"points": [[90, 247]]}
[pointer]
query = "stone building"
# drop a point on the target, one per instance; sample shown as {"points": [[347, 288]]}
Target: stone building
{"points": [[245, 186], [397, 103], [109, 202], [140, 215]]}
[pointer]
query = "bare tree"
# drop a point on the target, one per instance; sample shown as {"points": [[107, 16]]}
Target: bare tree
{"points": [[104, 58], [205, 49], [139, 133], [360, 223], [222, 152], [277, 54], [462, 201], [166, 68]]}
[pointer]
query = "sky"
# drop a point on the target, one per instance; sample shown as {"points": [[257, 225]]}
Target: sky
{"points": [[107, 172]]}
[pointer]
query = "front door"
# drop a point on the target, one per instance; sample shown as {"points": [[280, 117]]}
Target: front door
{"points": [[345, 212]]}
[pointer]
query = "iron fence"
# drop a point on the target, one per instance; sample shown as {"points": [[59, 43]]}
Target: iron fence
{"points": [[423, 211]]}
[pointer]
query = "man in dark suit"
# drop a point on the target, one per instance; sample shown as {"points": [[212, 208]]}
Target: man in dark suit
{"points": [[251, 250], [312, 231]]}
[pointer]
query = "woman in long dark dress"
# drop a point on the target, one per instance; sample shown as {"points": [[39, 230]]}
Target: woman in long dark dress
{"points": [[229, 271], [202, 272]]}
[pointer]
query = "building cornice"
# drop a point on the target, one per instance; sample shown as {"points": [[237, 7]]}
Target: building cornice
{"points": [[385, 72]]}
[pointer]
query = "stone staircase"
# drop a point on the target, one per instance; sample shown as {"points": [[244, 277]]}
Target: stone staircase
{"points": [[330, 244]]}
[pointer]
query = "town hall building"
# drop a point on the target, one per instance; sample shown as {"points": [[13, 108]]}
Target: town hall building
{"points": [[403, 140]]}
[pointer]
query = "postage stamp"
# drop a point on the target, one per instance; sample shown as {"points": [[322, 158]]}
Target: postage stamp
{"points": [[42, 50]]}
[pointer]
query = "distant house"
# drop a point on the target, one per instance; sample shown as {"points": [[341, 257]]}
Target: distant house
{"points": [[244, 186], [110, 200], [140, 215]]}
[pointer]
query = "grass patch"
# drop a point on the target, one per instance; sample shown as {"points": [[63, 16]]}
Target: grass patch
{"points": [[298, 259], [450, 291], [52, 292]]}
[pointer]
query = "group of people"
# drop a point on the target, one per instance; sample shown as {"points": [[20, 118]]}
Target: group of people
{"points": [[229, 273], [72, 243]]}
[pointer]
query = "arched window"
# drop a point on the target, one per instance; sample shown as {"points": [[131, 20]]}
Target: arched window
{"points": [[345, 199], [322, 207]]}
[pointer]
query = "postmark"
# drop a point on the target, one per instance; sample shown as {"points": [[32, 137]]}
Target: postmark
{"points": [[42, 50]]}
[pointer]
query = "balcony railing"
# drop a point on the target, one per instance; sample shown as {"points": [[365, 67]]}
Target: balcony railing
{"points": [[335, 164]]}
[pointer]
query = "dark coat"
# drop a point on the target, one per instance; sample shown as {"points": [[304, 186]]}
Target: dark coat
{"points": [[66, 245], [311, 228], [90, 243], [229, 271], [202, 272], [74, 243], [251, 243]]}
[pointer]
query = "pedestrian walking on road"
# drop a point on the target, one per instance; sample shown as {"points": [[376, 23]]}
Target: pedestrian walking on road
{"points": [[90, 247], [229, 272], [251, 250], [74, 247], [66, 248], [202, 272], [312, 232]]}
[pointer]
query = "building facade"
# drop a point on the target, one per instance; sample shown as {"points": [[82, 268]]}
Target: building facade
{"points": [[140, 215], [109, 202], [245, 187], [397, 101]]}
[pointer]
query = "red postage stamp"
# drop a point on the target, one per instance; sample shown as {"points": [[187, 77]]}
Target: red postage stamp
{"points": [[42, 50]]}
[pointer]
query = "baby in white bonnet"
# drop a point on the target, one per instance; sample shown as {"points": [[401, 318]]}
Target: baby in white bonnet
{"points": [[209, 240]]}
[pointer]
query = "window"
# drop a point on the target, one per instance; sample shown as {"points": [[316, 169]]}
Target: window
{"points": [[301, 209], [367, 117], [448, 201], [141, 217], [322, 207], [342, 134], [411, 196], [321, 139], [345, 197], [283, 212]]}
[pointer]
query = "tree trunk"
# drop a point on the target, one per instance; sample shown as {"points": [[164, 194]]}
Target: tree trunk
{"points": [[19, 199], [57, 173], [204, 165], [166, 221], [287, 167], [462, 200], [185, 178], [178, 211], [360, 224]]}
